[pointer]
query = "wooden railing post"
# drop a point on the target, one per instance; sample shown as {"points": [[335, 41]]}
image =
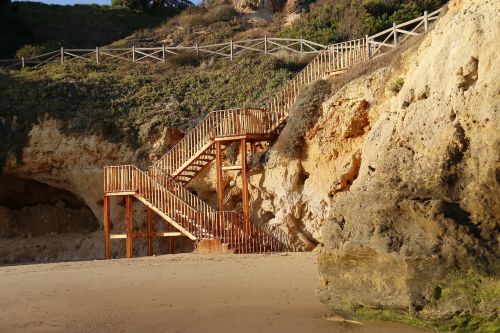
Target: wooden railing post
{"points": [[265, 44], [23, 63], [231, 49], [62, 55], [163, 53], [395, 32], [426, 21], [244, 188], [150, 230], [97, 55], [367, 42], [133, 53], [301, 45], [218, 167], [197, 50]]}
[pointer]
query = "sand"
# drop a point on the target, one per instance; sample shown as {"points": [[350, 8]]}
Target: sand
{"points": [[171, 293]]}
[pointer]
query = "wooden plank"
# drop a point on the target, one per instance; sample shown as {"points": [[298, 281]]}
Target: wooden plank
{"points": [[165, 217], [118, 236], [231, 167], [119, 193]]}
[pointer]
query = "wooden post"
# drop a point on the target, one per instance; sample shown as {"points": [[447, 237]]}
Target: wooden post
{"points": [[170, 240], [367, 41], [62, 55], [394, 31], [244, 186], [231, 48], [97, 55], [197, 50], [23, 63], [301, 45], [163, 53], [128, 226], [107, 227], [265, 44], [218, 169], [133, 53], [426, 21], [149, 213]]}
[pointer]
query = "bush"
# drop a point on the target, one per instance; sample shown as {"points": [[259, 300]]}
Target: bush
{"points": [[396, 85], [335, 21], [29, 50], [302, 117], [185, 59], [223, 14]]}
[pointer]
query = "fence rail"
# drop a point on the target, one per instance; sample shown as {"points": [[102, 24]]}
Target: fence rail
{"points": [[398, 33], [373, 45], [229, 50]]}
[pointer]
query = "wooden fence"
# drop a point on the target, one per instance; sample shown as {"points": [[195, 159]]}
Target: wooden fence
{"points": [[398, 33], [229, 50], [375, 45]]}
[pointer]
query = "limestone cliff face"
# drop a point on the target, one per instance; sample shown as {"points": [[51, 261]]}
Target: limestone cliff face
{"points": [[401, 188], [426, 199], [48, 200]]}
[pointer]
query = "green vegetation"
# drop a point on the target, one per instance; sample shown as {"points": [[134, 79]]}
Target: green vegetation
{"points": [[463, 302], [396, 85], [47, 27], [331, 21], [302, 117], [123, 102]]}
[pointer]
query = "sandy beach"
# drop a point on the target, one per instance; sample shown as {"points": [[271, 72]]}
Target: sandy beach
{"points": [[171, 293]]}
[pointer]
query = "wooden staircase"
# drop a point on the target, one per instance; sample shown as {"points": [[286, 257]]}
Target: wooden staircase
{"points": [[162, 187]]}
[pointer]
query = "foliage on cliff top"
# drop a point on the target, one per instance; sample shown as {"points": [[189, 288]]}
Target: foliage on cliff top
{"points": [[121, 102], [82, 26], [331, 21]]}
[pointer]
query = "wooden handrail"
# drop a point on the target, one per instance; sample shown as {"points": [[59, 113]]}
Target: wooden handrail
{"points": [[158, 186], [200, 221]]}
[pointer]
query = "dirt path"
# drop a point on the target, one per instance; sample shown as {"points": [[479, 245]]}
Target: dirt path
{"points": [[176, 293]]}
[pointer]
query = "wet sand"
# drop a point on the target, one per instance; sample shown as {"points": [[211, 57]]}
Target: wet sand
{"points": [[172, 293]]}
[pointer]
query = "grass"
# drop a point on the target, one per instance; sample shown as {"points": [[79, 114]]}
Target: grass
{"points": [[129, 103], [396, 85], [463, 302]]}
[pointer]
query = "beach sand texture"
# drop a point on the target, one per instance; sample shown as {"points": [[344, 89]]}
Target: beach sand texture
{"points": [[172, 293]]}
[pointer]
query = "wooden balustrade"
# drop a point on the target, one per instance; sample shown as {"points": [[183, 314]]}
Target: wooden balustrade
{"points": [[216, 124], [170, 198], [189, 212]]}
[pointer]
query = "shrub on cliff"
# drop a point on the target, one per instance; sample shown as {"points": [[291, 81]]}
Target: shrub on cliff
{"points": [[334, 21], [302, 117]]}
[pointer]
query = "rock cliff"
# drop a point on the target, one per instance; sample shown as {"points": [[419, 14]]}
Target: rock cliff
{"points": [[402, 187]]}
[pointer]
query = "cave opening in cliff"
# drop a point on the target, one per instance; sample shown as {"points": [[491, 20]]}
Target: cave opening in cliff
{"points": [[31, 208]]}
